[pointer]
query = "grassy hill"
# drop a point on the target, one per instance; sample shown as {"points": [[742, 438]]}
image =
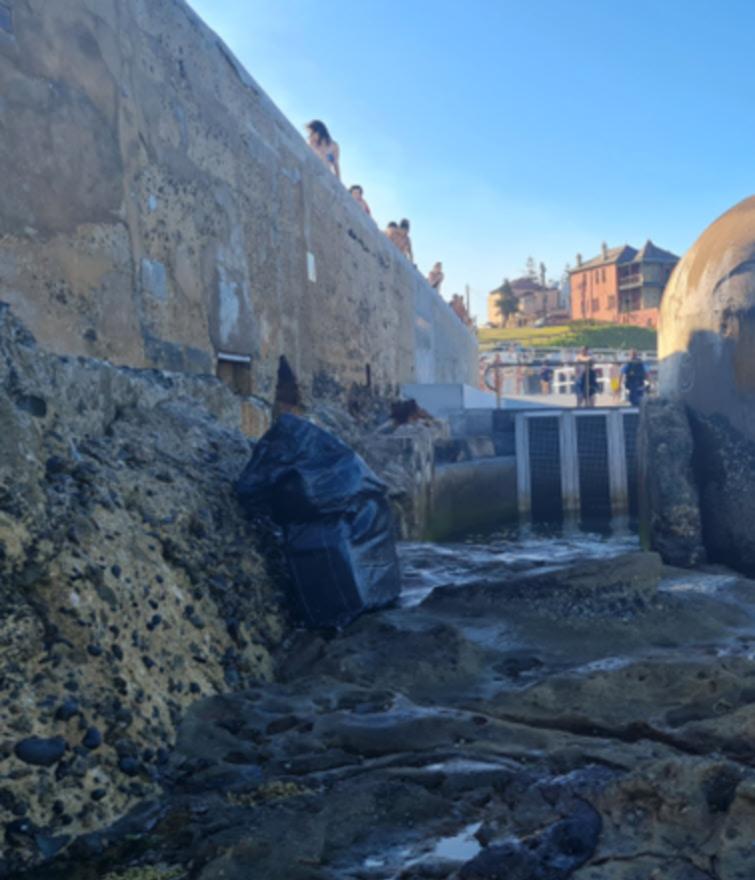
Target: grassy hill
{"points": [[575, 334]]}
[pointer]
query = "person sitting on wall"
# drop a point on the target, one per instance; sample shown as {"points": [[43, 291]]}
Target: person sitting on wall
{"points": [[358, 194], [460, 310], [635, 377], [323, 144], [393, 233], [404, 242], [435, 277]]}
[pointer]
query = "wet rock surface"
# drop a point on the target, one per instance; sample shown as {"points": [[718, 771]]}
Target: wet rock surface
{"points": [[130, 584], [475, 733], [725, 467], [670, 497]]}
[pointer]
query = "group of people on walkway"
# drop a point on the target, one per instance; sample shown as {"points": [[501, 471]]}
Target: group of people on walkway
{"points": [[327, 149], [632, 376]]}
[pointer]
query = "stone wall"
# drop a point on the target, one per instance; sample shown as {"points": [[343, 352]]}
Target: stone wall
{"points": [[158, 209]]}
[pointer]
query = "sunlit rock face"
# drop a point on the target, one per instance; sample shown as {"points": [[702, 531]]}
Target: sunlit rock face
{"points": [[707, 322], [707, 354]]}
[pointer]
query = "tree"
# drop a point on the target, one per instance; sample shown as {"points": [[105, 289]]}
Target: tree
{"points": [[507, 304]]}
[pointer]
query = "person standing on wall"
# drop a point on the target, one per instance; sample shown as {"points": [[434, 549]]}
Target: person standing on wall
{"points": [[323, 144], [634, 376]]}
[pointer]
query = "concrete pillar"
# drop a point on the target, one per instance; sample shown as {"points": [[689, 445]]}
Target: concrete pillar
{"points": [[523, 483], [617, 462], [569, 461]]}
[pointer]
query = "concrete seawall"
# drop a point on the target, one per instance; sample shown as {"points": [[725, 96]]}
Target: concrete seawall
{"points": [[470, 496], [159, 210]]}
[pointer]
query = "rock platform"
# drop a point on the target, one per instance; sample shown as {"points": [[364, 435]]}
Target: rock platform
{"points": [[590, 720]]}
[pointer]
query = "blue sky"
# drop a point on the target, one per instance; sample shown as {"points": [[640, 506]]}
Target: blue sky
{"points": [[506, 129]]}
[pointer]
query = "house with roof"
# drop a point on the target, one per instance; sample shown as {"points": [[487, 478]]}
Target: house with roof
{"points": [[535, 301], [621, 285]]}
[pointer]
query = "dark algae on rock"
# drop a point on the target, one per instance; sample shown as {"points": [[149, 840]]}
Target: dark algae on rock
{"points": [[117, 516]]}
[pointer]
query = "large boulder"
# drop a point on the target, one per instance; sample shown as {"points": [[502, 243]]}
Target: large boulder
{"points": [[707, 354]]}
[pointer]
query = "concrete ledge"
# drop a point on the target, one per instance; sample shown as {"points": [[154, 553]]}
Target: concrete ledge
{"points": [[472, 495]]}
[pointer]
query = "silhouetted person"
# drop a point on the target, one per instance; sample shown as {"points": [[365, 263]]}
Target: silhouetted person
{"points": [[634, 376], [586, 379]]}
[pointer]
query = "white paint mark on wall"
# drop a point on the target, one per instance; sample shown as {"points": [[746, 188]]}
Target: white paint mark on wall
{"points": [[229, 304], [155, 279], [311, 267]]}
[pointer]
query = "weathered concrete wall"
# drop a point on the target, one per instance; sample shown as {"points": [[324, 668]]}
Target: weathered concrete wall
{"points": [[472, 495], [157, 208]]}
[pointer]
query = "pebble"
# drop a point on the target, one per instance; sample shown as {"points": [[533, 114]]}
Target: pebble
{"points": [[92, 739], [129, 766], [67, 709], [40, 752]]}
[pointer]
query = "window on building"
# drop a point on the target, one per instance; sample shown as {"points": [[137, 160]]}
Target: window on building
{"points": [[595, 305], [651, 299], [236, 371], [603, 275], [611, 302]]}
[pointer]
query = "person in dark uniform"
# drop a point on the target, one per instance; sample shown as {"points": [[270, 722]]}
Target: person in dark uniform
{"points": [[634, 377]]}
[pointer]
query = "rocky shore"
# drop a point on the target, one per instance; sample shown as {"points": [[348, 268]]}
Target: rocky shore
{"points": [[130, 584], [591, 720], [521, 717]]}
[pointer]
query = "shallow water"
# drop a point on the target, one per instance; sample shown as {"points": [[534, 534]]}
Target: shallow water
{"points": [[517, 547]]}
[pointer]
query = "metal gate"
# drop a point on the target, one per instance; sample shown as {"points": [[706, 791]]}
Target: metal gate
{"points": [[579, 461]]}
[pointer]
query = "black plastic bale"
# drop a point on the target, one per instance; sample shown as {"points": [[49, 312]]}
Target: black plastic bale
{"points": [[337, 523]]}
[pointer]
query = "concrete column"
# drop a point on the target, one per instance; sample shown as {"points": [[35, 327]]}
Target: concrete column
{"points": [[567, 434], [523, 484], [617, 462]]}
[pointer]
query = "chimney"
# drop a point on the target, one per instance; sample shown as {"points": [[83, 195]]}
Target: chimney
{"points": [[579, 260], [604, 250]]}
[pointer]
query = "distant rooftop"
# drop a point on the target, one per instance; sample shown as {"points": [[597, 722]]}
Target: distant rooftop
{"points": [[523, 286], [648, 253]]}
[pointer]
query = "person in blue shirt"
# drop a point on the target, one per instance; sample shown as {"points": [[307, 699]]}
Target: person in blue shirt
{"points": [[634, 378]]}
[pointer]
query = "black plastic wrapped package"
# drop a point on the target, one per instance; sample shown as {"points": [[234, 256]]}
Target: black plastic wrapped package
{"points": [[337, 523]]}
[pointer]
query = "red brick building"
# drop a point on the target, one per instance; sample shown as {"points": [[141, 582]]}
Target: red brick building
{"points": [[622, 285]]}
